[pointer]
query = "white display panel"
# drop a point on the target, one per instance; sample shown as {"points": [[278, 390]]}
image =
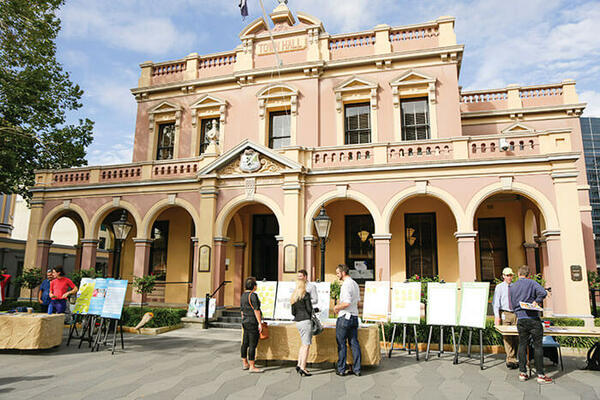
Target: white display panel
{"points": [[283, 308], [406, 302], [266, 294], [473, 305], [377, 301], [324, 293], [441, 303]]}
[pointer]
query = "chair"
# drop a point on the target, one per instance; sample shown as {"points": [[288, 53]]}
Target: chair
{"points": [[550, 343]]}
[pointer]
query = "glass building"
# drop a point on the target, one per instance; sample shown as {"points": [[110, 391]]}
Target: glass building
{"points": [[590, 130]]}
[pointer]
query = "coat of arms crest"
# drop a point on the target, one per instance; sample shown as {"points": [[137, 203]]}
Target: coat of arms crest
{"points": [[249, 161]]}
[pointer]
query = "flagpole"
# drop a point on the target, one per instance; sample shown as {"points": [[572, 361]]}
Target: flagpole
{"points": [[279, 62]]}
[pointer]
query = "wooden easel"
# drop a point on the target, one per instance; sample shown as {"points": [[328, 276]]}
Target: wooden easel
{"points": [[404, 340]]}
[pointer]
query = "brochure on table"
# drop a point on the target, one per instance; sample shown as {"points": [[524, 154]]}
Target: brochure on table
{"points": [[324, 294], [376, 301], [283, 308], [115, 298], [406, 302], [266, 291], [98, 295], [441, 303], [197, 307], [84, 296], [473, 305]]}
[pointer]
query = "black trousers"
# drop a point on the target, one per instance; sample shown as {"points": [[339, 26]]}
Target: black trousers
{"points": [[531, 330], [249, 341]]}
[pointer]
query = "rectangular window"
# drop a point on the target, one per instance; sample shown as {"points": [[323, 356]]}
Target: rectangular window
{"points": [[493, 254], [357, 123], [415, 119], [166, 141], [158, 250], [279, 129], [102, 243], [360, 249], [421, 244], [206, 130]]}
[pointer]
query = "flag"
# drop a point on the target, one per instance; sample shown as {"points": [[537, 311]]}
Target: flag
{"points": [[244, 8]]}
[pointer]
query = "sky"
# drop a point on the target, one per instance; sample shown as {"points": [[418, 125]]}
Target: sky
{"points": [[526, 42]]}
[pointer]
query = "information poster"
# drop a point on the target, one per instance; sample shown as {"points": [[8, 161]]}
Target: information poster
{"points": [[324, 293], [406, 302], [84, 296], [266, 294], [283, 308], [473, 305], [115, 298], [441, 303], [377, 300], [98, 295], [197, 307]]}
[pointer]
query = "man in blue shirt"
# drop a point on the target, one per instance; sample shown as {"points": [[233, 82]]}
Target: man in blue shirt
{"points": [[503, 315], [529, 324], [44, 292]]}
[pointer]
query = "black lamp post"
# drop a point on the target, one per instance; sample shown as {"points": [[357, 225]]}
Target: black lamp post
{"points": [[121, 229], [322, 225]]}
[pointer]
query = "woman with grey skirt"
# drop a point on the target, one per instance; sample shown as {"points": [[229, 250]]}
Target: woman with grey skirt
{"points": [[302, 312]]}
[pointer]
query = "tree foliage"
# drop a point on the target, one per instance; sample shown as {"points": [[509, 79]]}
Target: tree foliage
{"points": [[35, 96], [30, 279]]}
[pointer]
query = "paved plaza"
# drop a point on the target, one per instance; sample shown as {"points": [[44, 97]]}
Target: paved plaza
{"points": [[195, 364]]}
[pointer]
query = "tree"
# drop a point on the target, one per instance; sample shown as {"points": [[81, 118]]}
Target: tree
{"points": [[35, 96], [144, 285], [30, 279]]}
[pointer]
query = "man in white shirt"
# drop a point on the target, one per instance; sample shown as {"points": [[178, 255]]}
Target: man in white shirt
{"points": [[504, 315], [346, 327], [311, 288]]}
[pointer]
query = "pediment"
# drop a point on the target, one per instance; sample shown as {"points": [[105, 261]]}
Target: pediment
{"points": [[165, 107], [355, 83], [208, 101], [412, 78], [309, 20], [518, 128], [254, 28], [250, 158], [277, 90]]}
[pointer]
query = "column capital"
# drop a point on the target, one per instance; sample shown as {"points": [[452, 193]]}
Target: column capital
{"points": [[45, 242], [310, 238], [221, 239], [142, 241], [382, 236], [88, 241], [279, 238], [239, 244], [465, 235], [530, 245], [551, 233]]}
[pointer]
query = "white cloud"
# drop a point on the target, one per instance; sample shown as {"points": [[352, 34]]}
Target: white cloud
{"points": [[592, 98], [113, 96], [118, 153]]}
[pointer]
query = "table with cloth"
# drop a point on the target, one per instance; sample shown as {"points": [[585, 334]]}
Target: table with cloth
{"points": [[26, 331], [284, 342]]}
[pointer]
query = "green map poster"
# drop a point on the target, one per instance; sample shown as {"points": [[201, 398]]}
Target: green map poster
{"points": [[84, 296]]}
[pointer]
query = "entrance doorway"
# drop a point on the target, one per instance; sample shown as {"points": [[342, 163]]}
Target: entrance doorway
{"points": [[265, 251], [421, 244], [493, 255]]}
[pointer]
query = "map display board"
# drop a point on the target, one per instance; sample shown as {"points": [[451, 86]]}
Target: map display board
{"points": [[473, 305], [97, 301], [266, 294], [84, 296], [406, 302], [115, 298], [324, 293], [376, 302], [197, 307], [442, 303], [283, 308]]}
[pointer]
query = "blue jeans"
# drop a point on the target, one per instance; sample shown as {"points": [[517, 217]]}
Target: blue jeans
{"points": [[347, 330], [57, 306]]}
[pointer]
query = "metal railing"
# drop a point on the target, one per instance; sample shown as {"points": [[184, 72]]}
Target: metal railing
{"points": [[207, 301]]}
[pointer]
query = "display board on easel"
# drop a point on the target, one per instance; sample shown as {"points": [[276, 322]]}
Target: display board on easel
{"points": [[473, 305], [406, 303], [324, 294], [84, 296], [442, 304], [266, 291], [377, 301], [283, 308], [114, 300]]}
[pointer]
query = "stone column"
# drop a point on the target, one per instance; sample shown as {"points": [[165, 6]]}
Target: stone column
{"points": [[43, 251], [219, 268], [208, 213], [530, 256], [279, 239], [383, 269], [33, 234], [78, 248], [557, 297], [309, 257], [238, 269], [141, 265], [88, 253], [467, 266], [195, 261], [110, 264]]}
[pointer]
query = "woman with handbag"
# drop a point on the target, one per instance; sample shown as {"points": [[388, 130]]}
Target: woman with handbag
{"points": [[251, 325], [302, 312]]}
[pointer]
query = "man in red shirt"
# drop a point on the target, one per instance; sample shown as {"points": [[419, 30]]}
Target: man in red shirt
{"points": [[4, 283], [59, 291]]}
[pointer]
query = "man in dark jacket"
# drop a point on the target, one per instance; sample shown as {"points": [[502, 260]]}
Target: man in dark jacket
{"points": [[529, 325]]}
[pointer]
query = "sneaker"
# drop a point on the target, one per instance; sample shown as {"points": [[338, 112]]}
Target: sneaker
{"points": [[543, 379], [523, 377]]}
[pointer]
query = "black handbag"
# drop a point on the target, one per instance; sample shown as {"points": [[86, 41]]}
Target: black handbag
{"points": [[317, 326]]}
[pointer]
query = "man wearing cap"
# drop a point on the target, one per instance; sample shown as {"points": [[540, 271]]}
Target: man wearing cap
{"points": [[504, 315]]}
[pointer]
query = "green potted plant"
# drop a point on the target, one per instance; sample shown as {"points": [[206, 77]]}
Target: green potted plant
{"points": [[144, 285]]}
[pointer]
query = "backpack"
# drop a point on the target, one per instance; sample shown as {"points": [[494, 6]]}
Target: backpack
{"points": [[593, 358]]}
